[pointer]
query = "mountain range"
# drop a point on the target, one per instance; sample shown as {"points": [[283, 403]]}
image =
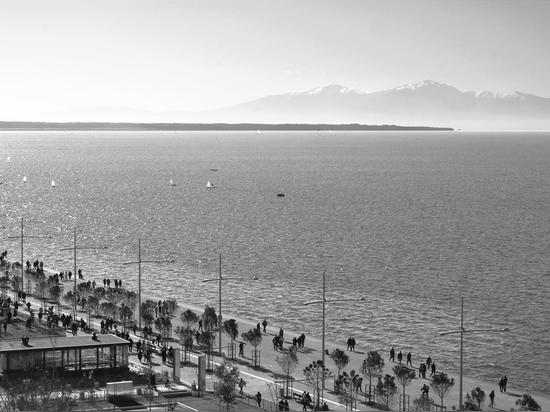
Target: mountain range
{"points": [[427, 103]]}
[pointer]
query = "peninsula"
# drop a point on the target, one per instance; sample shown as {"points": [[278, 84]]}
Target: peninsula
{"points": [[102, 126]]}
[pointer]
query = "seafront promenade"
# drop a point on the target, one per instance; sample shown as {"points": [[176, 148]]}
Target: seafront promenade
{"points": [[260, 379]]}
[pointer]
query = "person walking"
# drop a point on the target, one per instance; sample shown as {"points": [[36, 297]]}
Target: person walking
{"points": [[400, 357], [242, 384], [492, 398], [264, 324], [392, 354], [409, 359], [259, 399]]}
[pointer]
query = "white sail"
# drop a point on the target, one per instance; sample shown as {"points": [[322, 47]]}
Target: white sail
{"points": [[171, 183], [53, 183], [208, 184], [9, 159], [24, 179]]}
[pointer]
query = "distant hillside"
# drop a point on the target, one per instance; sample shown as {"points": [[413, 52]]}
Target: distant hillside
{"points": [[76, 126], [427, 103]]}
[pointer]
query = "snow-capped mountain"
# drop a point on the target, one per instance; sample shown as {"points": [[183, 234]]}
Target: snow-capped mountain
{"points": [[427, 103]]}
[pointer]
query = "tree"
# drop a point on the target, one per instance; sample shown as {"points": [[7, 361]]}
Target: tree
{"points": [[186, 340], [230, 327], [288, 363], [108, 309], [209, 318], [442, 384], [386, 389], [527, 403], [189, 318], [341, 360], [373, 365], [345, 390], [315, 374], [171, 306], [254, 337], [164, 326], [474, 399], [422, 403], [404, 375], [125, 313], [209, 322], [43, 394], [70, 298], [228, 376], [93, 303]]}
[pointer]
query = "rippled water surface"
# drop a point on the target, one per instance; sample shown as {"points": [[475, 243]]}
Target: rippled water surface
{"points": [[410, 221]]}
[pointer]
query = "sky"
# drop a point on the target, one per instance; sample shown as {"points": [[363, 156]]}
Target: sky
{"points": [[161, 55]]}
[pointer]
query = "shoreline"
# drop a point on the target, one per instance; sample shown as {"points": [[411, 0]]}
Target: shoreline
{"points": [[313, 344]]}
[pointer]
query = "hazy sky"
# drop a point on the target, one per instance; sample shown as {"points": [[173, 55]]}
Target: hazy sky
{"points": [[193, 55]]}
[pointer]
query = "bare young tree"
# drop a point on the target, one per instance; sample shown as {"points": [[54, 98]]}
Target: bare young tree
{"points": [[254, 337], [288, 363], [341, 360], [230, 327], [386, 389], [442, 384], [405, 376], [315, 373], [373, 365]]}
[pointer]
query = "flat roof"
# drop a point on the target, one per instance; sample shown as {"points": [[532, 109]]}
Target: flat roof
{"points": [[61, 342]]}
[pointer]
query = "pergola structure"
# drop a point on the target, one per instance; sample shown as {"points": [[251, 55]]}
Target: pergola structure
{"points": [[72, 353]]}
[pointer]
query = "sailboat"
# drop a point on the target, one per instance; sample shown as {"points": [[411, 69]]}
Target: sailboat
{"points": [[24, 179], [209, 185], [53, 184], [9, 159], [171, 182]]}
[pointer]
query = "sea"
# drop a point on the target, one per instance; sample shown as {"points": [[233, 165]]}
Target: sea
{"points": [[408, 221]]}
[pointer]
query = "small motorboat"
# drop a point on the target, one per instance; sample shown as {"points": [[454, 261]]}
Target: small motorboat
{"points": [[280, 195]]}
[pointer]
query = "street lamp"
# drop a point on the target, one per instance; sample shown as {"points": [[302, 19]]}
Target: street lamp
{"points": [[324, 301], [219, 279], [139, 262], [74, 249], [462, 331], [22, 236]]}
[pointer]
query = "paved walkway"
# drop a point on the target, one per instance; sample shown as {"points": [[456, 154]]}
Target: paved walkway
{"points": [[261, 379]]}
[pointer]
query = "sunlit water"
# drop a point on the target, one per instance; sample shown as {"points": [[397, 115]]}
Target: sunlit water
{"points": [[410, 221]]}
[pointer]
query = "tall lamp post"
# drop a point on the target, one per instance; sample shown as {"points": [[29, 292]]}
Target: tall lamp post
{"points": [[219, 279], [23, 236], [462, 331], [74, 249], [139, 262], [324, 301]]}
